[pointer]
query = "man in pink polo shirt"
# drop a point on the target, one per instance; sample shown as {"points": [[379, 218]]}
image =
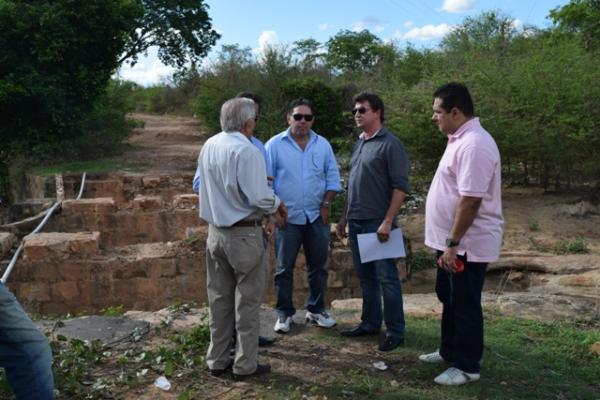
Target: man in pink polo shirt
{"points": [[463, 222]]}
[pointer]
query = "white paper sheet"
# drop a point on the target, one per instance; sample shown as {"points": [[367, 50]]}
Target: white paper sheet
{"points": [[371, 248]]}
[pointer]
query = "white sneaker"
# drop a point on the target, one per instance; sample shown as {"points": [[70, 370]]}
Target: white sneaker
{"points": [[432, 358], [455, 377], [282, 325], [322, 319]]}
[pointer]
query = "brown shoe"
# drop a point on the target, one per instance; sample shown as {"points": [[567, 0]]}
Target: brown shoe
{"points": [[261, 369]]}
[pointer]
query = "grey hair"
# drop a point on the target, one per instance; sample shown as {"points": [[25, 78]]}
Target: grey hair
{"points": [[235, 113]]}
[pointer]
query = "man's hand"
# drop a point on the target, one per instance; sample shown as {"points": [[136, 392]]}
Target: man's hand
{"points": [[281, 216], [270, 228], [340, 229], [324, 211], [447, 261], [383, 232]]}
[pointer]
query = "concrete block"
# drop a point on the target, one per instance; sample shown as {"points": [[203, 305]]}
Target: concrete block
{"points": [[99, 205], [146, 203]]}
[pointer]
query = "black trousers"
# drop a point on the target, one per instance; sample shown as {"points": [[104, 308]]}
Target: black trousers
{"points": [[462, 315]]}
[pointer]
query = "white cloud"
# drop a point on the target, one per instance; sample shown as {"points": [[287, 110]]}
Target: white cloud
{"points": [[425, 32], [517, 24], [457, 6], [379, 28], [148, 71], [408, 24], [359, 26], [266, 39], [324, 26]]}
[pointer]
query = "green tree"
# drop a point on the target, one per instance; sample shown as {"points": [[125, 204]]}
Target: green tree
{"points": [[581, 17], [350, 51], [181, 30]]}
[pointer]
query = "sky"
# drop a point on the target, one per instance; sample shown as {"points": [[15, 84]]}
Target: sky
{"points": [[422, 23]]}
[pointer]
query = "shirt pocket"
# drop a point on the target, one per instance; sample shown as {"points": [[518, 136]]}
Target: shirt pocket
{"points": [[317, 163]]}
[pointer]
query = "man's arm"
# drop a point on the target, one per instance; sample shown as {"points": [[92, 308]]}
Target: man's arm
{"points": [[466, 211], [383, 232], [326, 205]]}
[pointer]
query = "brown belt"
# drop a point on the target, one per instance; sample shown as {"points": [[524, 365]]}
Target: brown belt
{"points": [[247, 223]]}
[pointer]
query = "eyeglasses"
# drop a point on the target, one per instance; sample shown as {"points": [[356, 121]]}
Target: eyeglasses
{"points": [[360, 110], [307, 117]]}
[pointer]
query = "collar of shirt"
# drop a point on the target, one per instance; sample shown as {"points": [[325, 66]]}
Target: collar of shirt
{"points": [[364, 136], [473, 123], [311, 133]]}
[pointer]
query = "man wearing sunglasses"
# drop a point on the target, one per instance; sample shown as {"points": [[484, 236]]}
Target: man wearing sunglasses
{"points": [[377, 185], [306, 178]]}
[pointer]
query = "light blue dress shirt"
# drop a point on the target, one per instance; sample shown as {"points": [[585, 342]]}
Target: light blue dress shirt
{"points": [[301, 178], [259, 145]]}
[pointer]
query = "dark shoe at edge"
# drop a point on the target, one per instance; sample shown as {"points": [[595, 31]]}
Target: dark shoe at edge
{"points": [[261, 369], [357, 331], [264, 341], [390, 343], [219, 372]]}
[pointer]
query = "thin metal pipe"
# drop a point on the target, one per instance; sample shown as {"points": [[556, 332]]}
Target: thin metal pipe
{"points": [[13, 261], [82, 184]]}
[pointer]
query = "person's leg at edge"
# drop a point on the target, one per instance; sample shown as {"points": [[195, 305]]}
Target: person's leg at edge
{"points": [[220, 285], [372, 316], [316, 250], [287, 245], [24, 352]]}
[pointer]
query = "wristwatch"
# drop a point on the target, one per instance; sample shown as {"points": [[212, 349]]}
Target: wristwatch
{"points": [[451, 242], [325, 204]]}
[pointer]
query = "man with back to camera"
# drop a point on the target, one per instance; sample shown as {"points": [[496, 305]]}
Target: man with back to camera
{"points": [[306, 178], [463, 220], [263, 341], [234, 196], [377, 186]]}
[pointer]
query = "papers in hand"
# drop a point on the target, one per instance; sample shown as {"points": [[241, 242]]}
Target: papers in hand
{"points": [[370, 248]]}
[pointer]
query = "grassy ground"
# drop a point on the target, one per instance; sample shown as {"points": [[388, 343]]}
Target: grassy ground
{"points": [[523, 359]]}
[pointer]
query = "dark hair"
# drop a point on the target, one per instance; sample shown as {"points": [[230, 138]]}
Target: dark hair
{"points": [[252, 96], [374, 101], [299, 102], [457, 95]]}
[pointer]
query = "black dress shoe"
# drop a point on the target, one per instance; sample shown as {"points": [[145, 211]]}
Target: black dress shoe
{"points": [[357, 331], [261, 369], [219, 372], [264, 341], [390, 343]]}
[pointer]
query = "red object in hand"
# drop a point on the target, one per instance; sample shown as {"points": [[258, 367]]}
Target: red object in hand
{"points": [[459, 266]]}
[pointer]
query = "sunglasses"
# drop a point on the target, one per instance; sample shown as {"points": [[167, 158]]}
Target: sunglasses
{"points": [[307, 117], [360, 110]]}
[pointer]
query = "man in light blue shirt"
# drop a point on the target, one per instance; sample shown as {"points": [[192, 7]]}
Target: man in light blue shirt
{"points": [[306, 178]]}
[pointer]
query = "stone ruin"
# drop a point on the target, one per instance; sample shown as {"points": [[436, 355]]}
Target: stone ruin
{"points": [[135, 241]]}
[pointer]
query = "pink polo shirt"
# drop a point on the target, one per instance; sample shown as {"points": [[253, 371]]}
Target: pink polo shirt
{"points": [[470, 166]]}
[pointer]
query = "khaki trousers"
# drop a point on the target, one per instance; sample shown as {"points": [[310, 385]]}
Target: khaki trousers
{"points": [[236, 268]]}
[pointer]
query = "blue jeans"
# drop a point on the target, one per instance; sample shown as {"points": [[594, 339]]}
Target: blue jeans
{"points": [[25, 353], [314, 238], [462, 315], [377, 277]]}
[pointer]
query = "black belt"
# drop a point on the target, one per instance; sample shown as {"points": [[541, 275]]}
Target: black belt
{"points": [[247, 223]]}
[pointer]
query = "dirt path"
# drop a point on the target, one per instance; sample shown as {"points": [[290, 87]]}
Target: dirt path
{"points": [[165, 143]]}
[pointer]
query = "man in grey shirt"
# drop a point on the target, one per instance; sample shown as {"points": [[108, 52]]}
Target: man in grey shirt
{"points": [[377, 185], [234, 196]]}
